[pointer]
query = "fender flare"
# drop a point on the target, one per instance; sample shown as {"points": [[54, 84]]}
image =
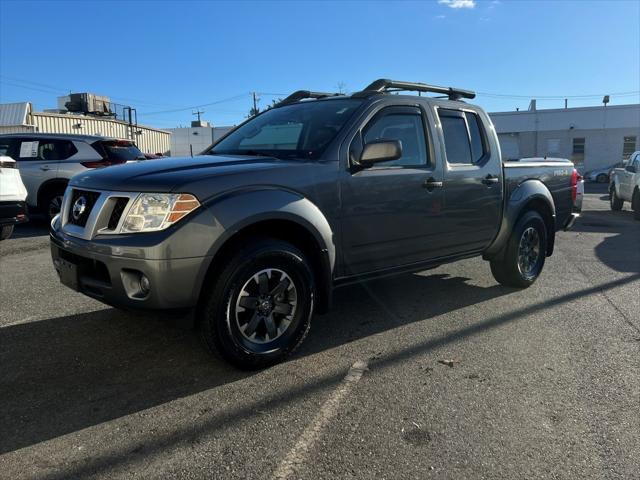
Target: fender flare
{"points": [[63, 182], [523, 194], [237, 210]]}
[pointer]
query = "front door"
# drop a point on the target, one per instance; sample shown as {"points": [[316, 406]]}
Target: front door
{"points": [[472, 182], [391, 211]]}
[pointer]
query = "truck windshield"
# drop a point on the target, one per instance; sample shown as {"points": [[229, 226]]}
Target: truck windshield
{"points": [[302, 130]]}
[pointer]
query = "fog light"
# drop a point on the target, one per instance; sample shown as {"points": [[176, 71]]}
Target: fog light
{"points": [[145, 285]]}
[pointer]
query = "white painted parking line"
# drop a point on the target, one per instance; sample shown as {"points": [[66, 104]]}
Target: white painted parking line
{"points": [[298, 454]]}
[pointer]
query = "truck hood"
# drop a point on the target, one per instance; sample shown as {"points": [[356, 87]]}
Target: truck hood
{"points": [[169, 174]]}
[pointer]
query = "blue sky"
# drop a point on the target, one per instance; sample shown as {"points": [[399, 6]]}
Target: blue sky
{"points": [[167, 56]]}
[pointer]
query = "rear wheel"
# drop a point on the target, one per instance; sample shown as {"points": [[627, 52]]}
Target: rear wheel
{"points": [[6, 231], [615, 202], [525, 253], [602, 178], [258, 309]]}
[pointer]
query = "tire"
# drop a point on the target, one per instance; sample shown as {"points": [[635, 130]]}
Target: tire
{"points": [[615, 202], [602, 178], [635, 204], [271, 275], [529, 239], [52, 201], [6, 231]]}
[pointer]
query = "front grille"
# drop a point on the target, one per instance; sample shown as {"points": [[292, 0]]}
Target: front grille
{"points": [[90, 199], [116, 213]]}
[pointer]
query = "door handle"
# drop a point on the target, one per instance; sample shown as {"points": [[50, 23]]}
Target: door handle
{"points": [[45, 168], [490, 180], [431, 183]]}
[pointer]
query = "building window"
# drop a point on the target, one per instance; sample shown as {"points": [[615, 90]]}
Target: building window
{"points": [[577, 154], [628, 147]]}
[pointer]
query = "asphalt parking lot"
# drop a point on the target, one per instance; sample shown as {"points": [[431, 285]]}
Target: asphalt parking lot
{"points": [[443, 374]]}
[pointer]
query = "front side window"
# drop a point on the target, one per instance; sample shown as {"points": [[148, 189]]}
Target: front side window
{"points": [[409, 129], [302, 130]]}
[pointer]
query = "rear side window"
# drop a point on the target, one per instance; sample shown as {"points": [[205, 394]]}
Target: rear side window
{"points": [[46, 150], [464, 136], [456, 139], [118, 150], [476, 136]]}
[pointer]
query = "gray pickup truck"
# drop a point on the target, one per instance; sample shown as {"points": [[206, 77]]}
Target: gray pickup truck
{"points": [[322, 190]]}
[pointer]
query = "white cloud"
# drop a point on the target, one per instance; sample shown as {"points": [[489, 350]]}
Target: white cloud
{"points": [[440, 17], [458, 3]]}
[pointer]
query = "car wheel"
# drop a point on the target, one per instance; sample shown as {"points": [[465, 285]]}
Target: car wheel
{"points": [[635, 204], [52, 202], [602, 178], [6, 231], [258, 309], [524, 254], [615, 202]]}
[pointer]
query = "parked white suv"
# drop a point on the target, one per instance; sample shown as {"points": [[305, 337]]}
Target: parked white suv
{"points": [[47, 162], [12, 197], [625, 185]]}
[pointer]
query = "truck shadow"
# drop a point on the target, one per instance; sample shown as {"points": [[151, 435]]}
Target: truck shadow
{"points": [[619, 251], [64, 374]]}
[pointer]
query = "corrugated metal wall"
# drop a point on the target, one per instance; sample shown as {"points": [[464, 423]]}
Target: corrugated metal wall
{"points": [[149, 140], [16, 129]]}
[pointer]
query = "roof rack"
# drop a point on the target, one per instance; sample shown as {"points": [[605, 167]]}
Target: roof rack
{"points": [[385, 85], [304, 94]]}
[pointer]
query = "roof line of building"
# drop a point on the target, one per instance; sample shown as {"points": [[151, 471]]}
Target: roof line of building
{"points": [[552, 110]]}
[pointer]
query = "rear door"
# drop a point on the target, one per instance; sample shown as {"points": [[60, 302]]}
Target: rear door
{"points": [[473, 181], [390, 213]]}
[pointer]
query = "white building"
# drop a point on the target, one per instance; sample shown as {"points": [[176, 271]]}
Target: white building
{"points": [[593, 137], [189, 141]]}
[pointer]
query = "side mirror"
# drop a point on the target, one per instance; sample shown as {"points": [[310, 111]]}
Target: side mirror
{"points": [[631, 168], [380, 151]]}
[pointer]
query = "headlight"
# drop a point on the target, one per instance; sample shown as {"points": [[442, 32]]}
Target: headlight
{"points": [[151, 212]]}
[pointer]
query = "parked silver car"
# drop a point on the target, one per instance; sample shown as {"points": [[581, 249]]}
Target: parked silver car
{"points": [[601, 175], [48, 161]]}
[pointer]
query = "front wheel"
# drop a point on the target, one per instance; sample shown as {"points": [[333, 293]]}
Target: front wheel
{"points": [[525, 253], [602, 178], [258, 309], [615, 201]]}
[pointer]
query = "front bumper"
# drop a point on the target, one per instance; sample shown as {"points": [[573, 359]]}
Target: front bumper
{"points": [[174, 283], [13, 212]]}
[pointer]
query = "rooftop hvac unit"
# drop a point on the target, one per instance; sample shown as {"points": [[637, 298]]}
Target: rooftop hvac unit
{"points": [[89, 103]]}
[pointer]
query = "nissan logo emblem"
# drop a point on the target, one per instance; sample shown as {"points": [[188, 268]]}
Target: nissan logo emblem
{"points": [[79, 207]]}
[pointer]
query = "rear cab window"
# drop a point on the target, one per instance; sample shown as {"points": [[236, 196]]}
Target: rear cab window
{"points": [[464, 137]]}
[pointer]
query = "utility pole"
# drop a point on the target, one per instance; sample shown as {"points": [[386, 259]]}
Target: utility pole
{"points": [[255, 103], [197, 112]]}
